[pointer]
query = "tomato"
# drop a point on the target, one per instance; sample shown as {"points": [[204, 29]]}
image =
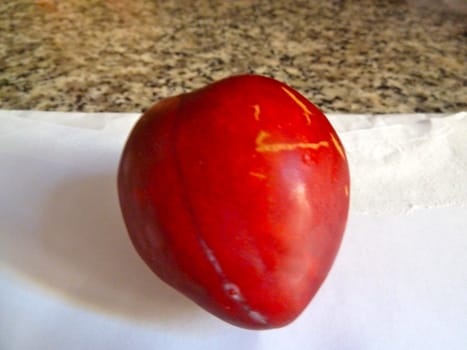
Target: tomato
{"points": [[237, 195]]}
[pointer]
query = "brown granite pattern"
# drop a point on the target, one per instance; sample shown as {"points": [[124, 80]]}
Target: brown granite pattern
{"points": [[116, 55]]}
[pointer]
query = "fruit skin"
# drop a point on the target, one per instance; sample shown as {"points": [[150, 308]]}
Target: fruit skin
{"points": [[237, 195]]}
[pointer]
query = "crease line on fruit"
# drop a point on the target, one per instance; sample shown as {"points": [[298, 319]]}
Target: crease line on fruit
{"points": [[231, 290], [306, 112], [346, 190], [234, 293], [338, 146], [208, 252], [257, 111], [263, 147], [210, 256]]}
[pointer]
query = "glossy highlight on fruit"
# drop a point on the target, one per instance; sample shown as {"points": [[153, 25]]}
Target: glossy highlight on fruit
{"points": [[237, 195]]}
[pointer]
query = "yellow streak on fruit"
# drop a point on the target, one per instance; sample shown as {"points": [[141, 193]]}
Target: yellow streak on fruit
{"points": [[258, 175], [257, 111], [346, 190], [262, 147], [306, 112], [338, 146]]}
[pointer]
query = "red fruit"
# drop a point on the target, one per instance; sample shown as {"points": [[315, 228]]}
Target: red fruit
{"points": [[237, 195]]}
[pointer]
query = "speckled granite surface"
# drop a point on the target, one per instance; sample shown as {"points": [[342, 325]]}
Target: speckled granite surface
{"points": [[116, 55]]}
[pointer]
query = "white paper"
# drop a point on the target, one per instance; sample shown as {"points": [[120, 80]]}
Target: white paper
{"points": [[70, 279], [400, 163]]}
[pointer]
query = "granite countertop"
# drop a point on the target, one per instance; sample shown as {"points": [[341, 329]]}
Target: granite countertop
{"points": [[122, 56]]}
